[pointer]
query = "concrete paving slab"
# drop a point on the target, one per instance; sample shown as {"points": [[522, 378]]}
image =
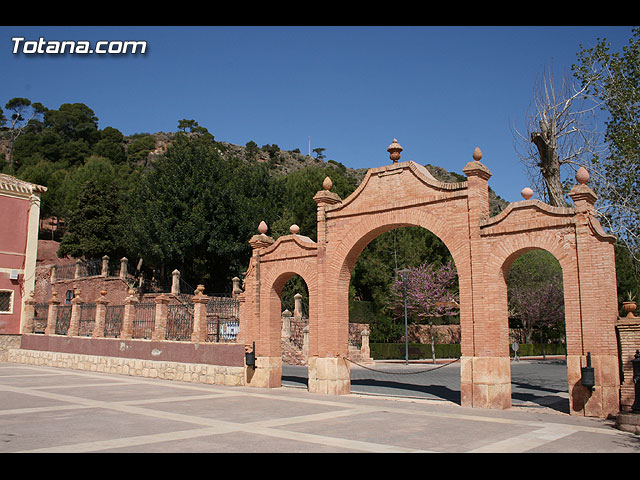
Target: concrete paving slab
{"points": [[45, 409]]}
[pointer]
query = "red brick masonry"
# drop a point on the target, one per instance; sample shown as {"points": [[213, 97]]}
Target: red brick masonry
{"points": [[231, 355]]}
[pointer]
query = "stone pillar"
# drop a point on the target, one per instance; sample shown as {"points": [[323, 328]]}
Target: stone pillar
{"points": [[365, 350], [286, 324], [199, 332], [53, 274], [105, 266], [297, 311], [329, 375], [29, 313], [76, 303], [124, 266], [101, 313], [305, 342], [162, 310], [175, 282], [129, 315], [76, 273], [52, 315], [237, 289]]}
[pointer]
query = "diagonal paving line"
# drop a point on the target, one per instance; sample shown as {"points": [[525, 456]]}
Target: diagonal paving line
{"points": [[209, 427], [527, 441]]}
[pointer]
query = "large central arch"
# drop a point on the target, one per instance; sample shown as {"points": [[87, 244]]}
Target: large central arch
{"points": [[406, 194]]}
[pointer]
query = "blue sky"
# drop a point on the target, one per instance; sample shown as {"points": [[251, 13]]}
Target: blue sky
{"points": [[440, 90]]}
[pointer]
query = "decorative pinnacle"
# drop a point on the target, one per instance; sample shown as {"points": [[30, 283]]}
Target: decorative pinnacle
{"points": [[294, 228], [526, 193], [477, 154], [394, 151], [327, 183], [262, 228], [582, 176]]}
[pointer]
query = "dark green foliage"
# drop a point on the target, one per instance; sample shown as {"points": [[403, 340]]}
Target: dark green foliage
{"points": [[195, 211], [94, 227]]}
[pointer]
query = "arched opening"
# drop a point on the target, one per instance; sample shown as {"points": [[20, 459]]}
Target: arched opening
{"points": [[291, 304], [376, 293], [537, 329]]}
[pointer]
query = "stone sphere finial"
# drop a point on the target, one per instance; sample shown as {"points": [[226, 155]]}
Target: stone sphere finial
{"points": [[394, 151], [477, 154], [262, 228], [582, 176], [526, 193], [294, 228], [327, 183]]}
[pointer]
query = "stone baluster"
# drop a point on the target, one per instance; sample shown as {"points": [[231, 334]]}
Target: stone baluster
{"points": [[52, 315], [101, 314], [162, 312], [199, 332]]}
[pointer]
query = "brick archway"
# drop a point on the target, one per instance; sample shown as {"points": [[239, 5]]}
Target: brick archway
{"points": [[482, 247]]}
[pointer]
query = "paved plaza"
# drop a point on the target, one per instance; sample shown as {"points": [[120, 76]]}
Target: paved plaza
{"points": [[54, 410]]}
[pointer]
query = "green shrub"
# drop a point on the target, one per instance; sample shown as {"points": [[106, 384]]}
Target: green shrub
{"points": [[396, 351]]}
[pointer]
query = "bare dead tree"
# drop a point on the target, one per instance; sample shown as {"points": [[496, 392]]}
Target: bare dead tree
{"points": [[559, 136]]}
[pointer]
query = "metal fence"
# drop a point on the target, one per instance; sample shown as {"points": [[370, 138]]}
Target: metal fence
{"points": [[40, 316], [113, 320], [179, 322], [144, 320], [66, 272], [222, 319], [87, 319], [63, 319]]}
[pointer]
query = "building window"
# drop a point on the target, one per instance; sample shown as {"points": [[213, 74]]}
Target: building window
{"points": [[68, 297], [6, 301]]}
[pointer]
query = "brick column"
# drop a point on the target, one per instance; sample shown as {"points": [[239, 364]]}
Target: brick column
{"points": [[101, 313], [76, 303], [28, 314], [597, 288], [52, 315], [162, 311], [329, 373], [485, 371], [129, 315], [255, 327], [199, 332], [629, 335]]}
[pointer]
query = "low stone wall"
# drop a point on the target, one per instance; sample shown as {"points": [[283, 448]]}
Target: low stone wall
{"points": [[187, 372], [211, 363], [8, 342]]}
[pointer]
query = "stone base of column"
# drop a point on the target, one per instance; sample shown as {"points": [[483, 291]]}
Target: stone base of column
{"points": [[266, 374], [329, 376], [485, 382], [604, 400]]}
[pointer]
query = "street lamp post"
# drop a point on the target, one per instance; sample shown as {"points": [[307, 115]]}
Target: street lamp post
{"points": [[404, 273]]}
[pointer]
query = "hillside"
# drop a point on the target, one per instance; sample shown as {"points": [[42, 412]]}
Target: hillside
{"points": [[282, 162]]}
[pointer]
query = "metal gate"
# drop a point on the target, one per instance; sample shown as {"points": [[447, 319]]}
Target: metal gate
{"points": [[223, 321], [179, 322]]}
